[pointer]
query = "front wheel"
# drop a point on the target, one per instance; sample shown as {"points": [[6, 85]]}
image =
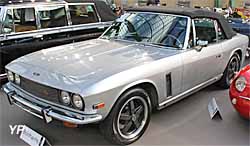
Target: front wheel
{"points": [[229, 73], [128, 119]]}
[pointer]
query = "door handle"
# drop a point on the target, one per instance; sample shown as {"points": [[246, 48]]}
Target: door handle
{"points": [[218, 56], [101, 27], [38, 36]]}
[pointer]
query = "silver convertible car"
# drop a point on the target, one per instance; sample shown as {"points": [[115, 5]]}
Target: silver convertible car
{"points": [[149, 58]]}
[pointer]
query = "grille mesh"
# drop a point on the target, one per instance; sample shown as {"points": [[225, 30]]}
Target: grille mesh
{"points": [[39, 90]]}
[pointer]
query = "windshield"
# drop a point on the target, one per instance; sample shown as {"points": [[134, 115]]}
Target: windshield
{"points": [[160, 29]]}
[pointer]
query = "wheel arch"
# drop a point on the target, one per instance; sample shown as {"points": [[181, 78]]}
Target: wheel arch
{"points": [[147, 85], [109, 119], [238, 51]]}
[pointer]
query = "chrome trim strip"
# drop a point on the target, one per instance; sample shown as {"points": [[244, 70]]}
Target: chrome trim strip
{"points": [[22, 107], [3, 75], [17, 100], [48, 31], [188, 31], [28, 111], [86, 120], [243, 97], [194, 32]]}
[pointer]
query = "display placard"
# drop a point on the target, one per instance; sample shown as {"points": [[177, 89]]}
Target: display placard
{"points": [[32, 138], [213, 109]]}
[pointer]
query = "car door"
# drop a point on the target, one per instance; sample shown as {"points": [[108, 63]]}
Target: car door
{"points": [[17, 25], [83, 15], [201, 61], [53, 22]]}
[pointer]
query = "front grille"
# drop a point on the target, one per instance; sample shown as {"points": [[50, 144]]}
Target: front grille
{"points": [[39, 90]]}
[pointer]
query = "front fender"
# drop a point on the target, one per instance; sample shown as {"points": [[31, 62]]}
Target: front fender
{"points": [[110, 97], [133, 84]]}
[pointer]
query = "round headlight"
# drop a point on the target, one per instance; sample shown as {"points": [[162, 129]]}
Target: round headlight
{"points": [[17, 79], [240, 84], [10, 76], [65, 98], [77, 101]]}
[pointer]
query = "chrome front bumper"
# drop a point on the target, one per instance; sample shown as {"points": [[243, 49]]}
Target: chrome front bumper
{"points": [[3, 78], [48, 112]]}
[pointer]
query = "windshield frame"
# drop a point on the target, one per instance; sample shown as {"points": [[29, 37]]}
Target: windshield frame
{"points": [[2, 17], [185, 44], [2, 10]]}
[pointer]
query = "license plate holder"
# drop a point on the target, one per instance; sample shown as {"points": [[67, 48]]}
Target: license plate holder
{"points": [[9, 95]]}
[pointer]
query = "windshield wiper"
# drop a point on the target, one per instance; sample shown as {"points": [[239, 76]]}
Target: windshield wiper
{"points": [[164, 45], [159, 44], [136, 36]]}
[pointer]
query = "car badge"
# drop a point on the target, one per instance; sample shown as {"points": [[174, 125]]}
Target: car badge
{"points": [[36, 74], [45, 92]]}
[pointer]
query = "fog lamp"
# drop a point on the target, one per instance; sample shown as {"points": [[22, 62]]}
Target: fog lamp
{"points": [[77, 102]]}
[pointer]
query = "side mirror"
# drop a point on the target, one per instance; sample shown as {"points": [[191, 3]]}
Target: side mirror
{"points": [[200, 45]]}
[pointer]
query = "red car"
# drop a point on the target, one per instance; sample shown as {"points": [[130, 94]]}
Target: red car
{"points": [[240, 92]]}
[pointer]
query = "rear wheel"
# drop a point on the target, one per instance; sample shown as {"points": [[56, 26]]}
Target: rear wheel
{"points": [[229, 73], [128, 119]]}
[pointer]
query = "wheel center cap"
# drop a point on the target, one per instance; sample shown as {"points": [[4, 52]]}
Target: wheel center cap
{"points": [[133, 117]]}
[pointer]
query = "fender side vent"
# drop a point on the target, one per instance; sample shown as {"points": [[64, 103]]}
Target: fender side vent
{"points": [[168, 85]]}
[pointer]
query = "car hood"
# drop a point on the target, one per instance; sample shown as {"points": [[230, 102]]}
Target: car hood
{"points": [[91, 61]]}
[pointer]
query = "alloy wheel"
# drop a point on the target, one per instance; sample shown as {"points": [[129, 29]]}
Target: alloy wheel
{"points": [[233, 67], [132, 117]]}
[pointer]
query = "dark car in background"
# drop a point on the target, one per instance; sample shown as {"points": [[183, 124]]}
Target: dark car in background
{"points": [[241, 26], [27, 26]]}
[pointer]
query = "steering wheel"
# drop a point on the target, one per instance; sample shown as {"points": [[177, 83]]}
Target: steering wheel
{"points": [[175, 38], [136, 36]]}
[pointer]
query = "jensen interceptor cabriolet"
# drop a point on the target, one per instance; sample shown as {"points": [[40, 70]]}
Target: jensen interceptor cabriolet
{"points": [[147, 59]]}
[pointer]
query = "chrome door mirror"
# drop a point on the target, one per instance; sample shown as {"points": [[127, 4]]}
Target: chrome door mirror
{"points": [[201, 44]]}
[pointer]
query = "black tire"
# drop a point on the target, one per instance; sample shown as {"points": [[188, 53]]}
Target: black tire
{"points": [[228, 75], [135, 123]]}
